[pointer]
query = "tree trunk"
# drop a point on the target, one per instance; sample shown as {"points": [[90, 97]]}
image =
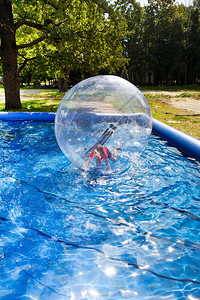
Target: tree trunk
{"points": [[9, 57], [62, 85], [63, 82]]}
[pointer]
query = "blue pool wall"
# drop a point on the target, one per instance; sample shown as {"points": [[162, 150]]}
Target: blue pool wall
{"points": [[187, 144], [27, 116], [182, 141]]}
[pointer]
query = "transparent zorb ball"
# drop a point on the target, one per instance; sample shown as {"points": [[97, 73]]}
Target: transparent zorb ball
{"points": [[106, 110]]}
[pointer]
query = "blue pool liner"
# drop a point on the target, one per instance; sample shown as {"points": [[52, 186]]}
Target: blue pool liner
{"points": [[187, 144]]}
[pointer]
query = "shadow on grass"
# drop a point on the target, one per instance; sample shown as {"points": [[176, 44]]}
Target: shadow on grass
{"points": [[36, 106]]}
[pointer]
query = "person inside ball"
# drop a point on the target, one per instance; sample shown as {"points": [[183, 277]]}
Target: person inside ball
{"points": [[101, 153]]}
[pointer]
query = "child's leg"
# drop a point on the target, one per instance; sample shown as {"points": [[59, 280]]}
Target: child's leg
{"points": [[113, 157], [98, 162]]}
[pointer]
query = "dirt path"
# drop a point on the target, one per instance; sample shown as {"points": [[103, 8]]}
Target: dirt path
{"points": [[25, 93], [189, 104]]}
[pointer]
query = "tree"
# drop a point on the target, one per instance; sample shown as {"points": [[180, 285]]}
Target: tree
{"points": [[9, 55], [72, 32], [89, 41], [192, 44], [163, 38], [9, 52], [132, 42]]}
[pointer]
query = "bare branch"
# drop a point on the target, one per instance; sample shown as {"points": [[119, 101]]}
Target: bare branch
{"points": [[36, 41], [26, 60], [28, 23]]}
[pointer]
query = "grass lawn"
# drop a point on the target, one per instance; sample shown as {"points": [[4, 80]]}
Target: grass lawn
{"points": [[46, 101], [163, 109], [177, 118], [161, 106]]}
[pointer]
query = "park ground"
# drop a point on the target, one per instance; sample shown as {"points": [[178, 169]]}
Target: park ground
{"points": [[178, 108]]}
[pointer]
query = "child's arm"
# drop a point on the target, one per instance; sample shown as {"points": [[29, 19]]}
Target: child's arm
{"points": [[107, 164], [87, 163]]}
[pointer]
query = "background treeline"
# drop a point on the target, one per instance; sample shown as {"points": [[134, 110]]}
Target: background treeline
{"points": [[61, 42], [164, 46]]}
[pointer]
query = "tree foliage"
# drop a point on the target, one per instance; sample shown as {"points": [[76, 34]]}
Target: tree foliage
{"points": [[44, 39], [60, 36], [163, 47]]}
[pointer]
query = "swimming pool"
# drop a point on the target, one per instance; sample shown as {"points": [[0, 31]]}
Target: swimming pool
{"points": [[67, 234]]}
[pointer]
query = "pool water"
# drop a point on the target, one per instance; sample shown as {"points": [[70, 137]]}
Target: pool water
{"points": [[68, 234]]}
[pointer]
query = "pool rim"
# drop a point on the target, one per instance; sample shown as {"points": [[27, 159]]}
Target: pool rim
{"points": [[187, 144]]}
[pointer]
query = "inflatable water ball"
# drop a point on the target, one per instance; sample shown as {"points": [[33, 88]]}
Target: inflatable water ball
{"points": [[106, 110]]}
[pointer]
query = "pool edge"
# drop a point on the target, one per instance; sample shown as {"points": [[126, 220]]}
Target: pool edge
{"points": [[182, 141], [27, 116]]}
